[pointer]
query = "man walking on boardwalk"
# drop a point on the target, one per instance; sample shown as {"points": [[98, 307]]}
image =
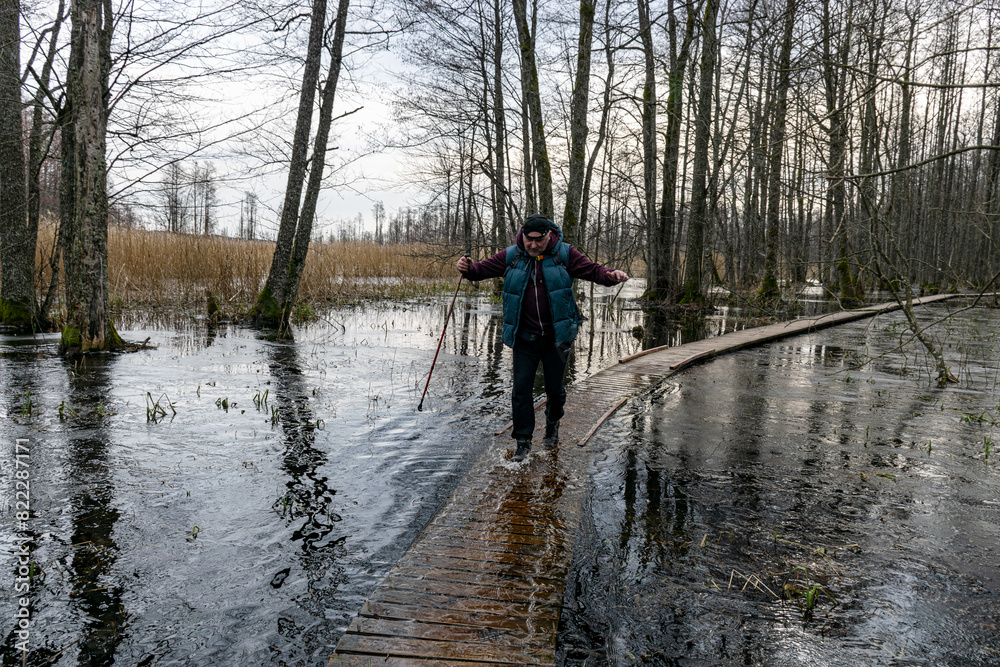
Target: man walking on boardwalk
{"points": [[540, 317]]}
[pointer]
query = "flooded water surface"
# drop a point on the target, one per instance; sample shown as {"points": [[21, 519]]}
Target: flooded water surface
{"points": [[228, 499], [816, 501], [225, 499]]}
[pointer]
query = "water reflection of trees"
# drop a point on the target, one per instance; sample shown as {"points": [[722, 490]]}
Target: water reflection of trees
{"points": [[20, 374], [480, 336], [97, 593], [308, 497]]}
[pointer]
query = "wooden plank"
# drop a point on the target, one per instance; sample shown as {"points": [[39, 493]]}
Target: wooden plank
{"points": [[425, 648], [511, 522], [690, 360], [498, 535], [481, 578], [472, 514], [526, 510], [456, 603], [524, 596], [524, 551], [603, 418], [337, 660], [543, 563], [643, 353], [475, 482], [478, 567], [538, 626], [450, 633], [502, 524]]}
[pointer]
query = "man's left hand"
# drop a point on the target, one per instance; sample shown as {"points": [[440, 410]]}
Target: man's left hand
{"points": [[618, 276]]}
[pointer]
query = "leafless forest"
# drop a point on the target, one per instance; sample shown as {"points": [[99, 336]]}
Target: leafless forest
{"points": [[748, 144], [851, 143]]}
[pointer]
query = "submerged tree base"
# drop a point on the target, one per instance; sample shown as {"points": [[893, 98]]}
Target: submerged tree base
{"points": [[691, 294], [851, 291], [17, 315], [267, 311], [769, 291], [73, 343]]}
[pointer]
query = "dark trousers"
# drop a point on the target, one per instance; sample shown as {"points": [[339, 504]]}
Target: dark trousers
{"points": [[527, 355]]}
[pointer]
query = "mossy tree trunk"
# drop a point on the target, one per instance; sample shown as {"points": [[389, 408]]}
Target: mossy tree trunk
{"points": [[578, 126], [693, 290], [835, 77], [602, 133], [17, 259], [267, 311], [529, 78], [769, 290], [654, 253], [317, 164], [662, 284], [85, 233], [37, 153]]}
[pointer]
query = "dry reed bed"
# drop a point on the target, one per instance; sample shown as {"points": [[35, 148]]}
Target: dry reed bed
{"points": [[157, 268]]}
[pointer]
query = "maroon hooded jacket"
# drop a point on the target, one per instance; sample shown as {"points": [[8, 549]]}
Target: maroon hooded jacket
{"points": [[535, 315]]}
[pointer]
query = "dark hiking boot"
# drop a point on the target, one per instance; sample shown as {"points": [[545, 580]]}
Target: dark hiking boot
{"points": [[522, 451], [551, 434]]}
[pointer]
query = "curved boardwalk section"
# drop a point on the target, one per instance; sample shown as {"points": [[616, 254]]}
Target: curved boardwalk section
{"points": [[483, 584]]}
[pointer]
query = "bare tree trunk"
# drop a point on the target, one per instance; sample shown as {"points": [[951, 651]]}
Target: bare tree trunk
{"points": [[901, 194], [834, 79], [769, 285], [17, 259], [35, 158], [700, 208], [869, 127], [529, 77], [993, 192], [303, 233], [67, 194], [578, 125], [88, 320], [663, 284], [654, 253], [268, 309], [602, 131], [530, 198], [499, 131], [470, 204]]}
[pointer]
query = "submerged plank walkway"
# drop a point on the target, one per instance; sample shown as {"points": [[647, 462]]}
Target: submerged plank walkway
{"points": [[483, 584]]}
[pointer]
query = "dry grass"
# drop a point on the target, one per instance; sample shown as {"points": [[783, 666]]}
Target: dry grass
{"points": [[156, 268]]}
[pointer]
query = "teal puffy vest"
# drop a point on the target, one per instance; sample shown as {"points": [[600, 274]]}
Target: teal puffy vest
{"points": [[562, 303]]}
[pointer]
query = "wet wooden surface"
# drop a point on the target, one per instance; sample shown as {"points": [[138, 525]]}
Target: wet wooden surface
{"points": [[483, 583]]}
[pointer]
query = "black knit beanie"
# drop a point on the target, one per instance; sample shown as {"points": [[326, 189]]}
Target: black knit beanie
{"points": [[536, 224]]}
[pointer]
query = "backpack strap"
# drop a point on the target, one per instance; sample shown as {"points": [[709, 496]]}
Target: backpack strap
{"points": [[511, 256], [563, 256]]}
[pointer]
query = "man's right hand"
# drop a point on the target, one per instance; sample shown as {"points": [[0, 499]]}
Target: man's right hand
{"points": [[463, 264]]}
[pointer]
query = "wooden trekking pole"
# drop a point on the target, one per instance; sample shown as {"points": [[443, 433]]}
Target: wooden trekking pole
{"points": [[447, 318]]}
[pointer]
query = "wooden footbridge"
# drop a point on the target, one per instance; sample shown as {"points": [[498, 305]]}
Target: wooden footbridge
{"points": [[483, 584]]}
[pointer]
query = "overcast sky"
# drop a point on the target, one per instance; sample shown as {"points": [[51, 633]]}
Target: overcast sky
{"points": [[371, 173]]}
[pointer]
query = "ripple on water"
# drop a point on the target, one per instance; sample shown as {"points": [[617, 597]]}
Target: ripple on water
{"points": [[782, 506], [248, 527]]}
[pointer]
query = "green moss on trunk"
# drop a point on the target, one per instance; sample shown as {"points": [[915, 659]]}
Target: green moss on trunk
{"points": [[691, 294], [768, 291], [15, 314], [267, 311], [851, 291], [69, 343], [73, 344]]}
